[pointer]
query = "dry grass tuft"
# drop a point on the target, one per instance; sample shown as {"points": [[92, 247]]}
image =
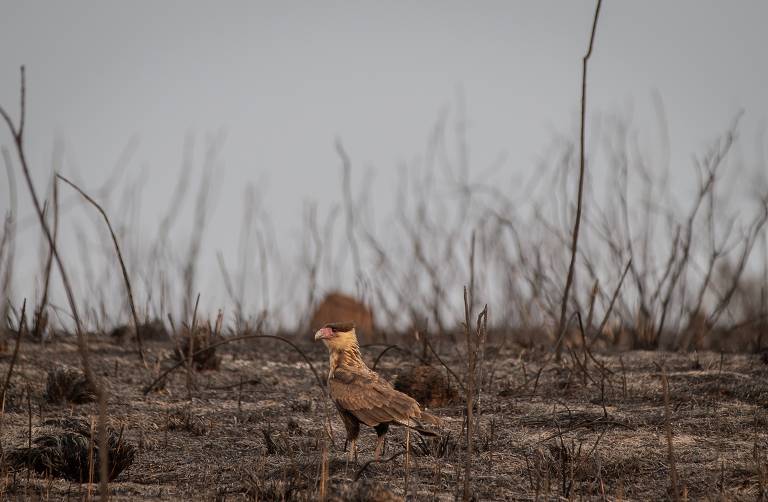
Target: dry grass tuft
{"points": [[64, 452], [15, 398], [434, 446], [275, 443], [204, 355], [184, 420], [66, 384]]}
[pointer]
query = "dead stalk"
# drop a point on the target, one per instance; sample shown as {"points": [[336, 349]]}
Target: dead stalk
{"points": [[41, 316], [15, 356], [668, 429], [103, 449], [407, 460], [8, 244], [191, 349], [582, 162], [468, 396], [323, 472]]}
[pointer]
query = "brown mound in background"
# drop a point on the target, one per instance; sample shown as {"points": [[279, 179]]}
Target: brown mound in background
{"points": [[338, 307]]}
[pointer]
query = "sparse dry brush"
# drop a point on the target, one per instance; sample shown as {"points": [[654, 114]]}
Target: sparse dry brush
{"points": [[610, 342]]}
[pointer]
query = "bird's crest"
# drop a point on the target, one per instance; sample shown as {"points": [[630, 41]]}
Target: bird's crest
{"points": [[341, 327]]}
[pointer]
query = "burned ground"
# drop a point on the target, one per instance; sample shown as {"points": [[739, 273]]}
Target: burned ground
{"points": [[254, 428]]}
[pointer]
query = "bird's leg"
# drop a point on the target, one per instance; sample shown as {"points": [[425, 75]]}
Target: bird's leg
{"points": [[349, 455], [381, 432], [379, 447], [352, 452]]}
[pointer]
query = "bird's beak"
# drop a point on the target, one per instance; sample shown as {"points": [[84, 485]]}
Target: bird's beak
{"points": [[323, 334]]}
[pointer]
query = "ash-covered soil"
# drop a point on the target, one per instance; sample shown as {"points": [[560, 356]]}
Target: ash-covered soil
{"points": [[255, 428]]}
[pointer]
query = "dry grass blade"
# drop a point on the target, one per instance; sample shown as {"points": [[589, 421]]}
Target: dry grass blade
{"points": [[613, 300], [468, 396], [104, 449], [124, 270], [191, 349], [41, 316], [8, 242], [668, 431], [15, 356], [324, 474]]}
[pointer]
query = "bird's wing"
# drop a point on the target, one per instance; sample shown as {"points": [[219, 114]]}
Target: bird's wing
{"points": [[371, 399]]}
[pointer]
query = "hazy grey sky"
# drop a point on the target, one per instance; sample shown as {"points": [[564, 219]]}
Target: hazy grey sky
{"points": [[283, 79]]}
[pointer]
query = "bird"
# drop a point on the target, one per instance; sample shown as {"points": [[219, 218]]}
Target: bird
{"points": [[362, 396]]}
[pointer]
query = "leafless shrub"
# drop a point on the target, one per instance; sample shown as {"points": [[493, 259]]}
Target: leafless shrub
{"points": [[564, 464]]}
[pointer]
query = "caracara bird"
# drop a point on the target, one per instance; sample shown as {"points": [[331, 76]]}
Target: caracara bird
{"points": [[361, 395]]}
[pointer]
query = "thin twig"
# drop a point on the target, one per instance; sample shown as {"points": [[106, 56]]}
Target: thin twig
{"points": [[374, 461], [448, 368], [346, 168], [468, 395], [41, 317], [613, 299], [191, 348], [126, 279], [176, 366]]}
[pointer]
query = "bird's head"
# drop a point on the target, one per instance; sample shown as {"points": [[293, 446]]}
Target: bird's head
{"points": [[338, 335]]}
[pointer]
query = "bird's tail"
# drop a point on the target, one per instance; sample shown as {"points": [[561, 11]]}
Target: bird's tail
{"points": [[419, 428], [422, 425], [431, 419]]}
